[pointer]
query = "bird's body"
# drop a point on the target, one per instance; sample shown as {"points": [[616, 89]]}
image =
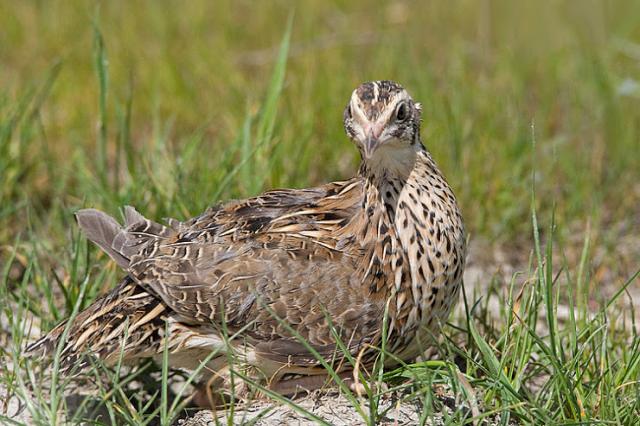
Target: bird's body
{"points": [[289, 264]]}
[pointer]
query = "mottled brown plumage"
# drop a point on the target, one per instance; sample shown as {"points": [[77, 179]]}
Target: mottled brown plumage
{"points": [[337, 253]]}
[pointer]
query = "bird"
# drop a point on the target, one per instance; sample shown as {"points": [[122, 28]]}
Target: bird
{"points": [[288, 279]]}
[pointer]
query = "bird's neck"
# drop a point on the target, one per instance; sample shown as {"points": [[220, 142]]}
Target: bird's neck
{"points": [[395, 203], [390, 175], [385, 188], [393, 164]]}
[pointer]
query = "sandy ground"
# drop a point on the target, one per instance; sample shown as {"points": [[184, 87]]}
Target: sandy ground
{"points": [[330, 406]]}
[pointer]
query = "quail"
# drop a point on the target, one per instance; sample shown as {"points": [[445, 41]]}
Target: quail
{"points": [[380, 253]]}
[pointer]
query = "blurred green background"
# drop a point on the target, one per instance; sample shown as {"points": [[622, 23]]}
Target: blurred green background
{"points": [[185, 78]]}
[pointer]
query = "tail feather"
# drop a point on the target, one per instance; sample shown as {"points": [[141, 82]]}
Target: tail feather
{"points": [[45, 345], [98, 331], [102, 229], [132, 216], [120, 242]]}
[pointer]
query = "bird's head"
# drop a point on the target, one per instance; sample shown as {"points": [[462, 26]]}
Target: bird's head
{"points": [[384, 123]]}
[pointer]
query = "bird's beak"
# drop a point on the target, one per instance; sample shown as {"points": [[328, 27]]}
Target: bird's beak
{"points": [[372, 141]]}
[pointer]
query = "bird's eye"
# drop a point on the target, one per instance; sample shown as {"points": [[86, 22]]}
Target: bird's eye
{"points": [[402, 113]]}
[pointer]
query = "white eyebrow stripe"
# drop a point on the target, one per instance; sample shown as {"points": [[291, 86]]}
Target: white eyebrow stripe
{"points": [[376, 93], [355, 108]]}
